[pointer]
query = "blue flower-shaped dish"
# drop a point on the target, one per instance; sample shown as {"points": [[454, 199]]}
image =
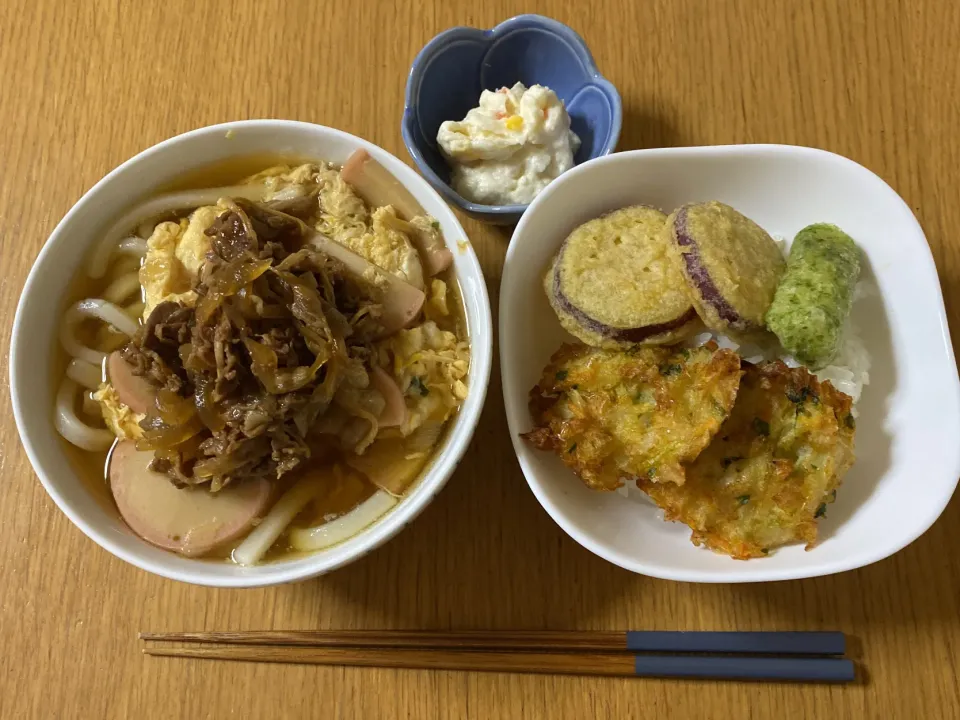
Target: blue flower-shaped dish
{"points": [[451, 71]]}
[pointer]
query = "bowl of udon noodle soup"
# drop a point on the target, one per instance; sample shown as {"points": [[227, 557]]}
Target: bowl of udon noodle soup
{"points": [[251, 353]]}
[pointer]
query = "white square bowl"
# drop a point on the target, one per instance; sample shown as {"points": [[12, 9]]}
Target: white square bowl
{"points": [[908, 435]]}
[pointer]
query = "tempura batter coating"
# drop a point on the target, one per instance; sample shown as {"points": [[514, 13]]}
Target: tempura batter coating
{"points": [[615, 415], [771, 470], [731, 264], [813, 301], [615, 283]]}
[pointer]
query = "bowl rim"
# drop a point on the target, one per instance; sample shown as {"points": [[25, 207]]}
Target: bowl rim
{"points": [[375, 535], [463, 32], [829, 566]]}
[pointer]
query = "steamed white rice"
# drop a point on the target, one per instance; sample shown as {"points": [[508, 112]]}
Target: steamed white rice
{"points": [[848, 372]]}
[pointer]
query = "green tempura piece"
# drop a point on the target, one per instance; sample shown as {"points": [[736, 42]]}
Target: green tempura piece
{"points": [[813, 300]]}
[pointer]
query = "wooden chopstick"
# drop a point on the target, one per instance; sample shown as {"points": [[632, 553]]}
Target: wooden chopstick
{"points": [[757, 643], [796, 669]]}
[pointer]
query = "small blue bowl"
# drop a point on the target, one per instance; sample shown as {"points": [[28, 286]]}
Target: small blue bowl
{"points": [[451, 71]]}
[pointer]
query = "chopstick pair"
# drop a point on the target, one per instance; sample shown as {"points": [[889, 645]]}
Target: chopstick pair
{"points": [[785, 656]]}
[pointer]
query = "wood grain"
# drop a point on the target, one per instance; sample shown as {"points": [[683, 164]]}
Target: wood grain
{"points": [[86, 84]]}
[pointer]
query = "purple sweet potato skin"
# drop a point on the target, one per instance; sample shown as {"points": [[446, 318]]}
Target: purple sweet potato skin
{"points": [[701, 278], [629, 335]]}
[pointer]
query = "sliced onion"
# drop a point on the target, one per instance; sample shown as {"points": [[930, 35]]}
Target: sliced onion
{"points": [[276, 521], [207, 409], [72, 428], [161, 205], [350, 435], [228, 280], [389, 465], [122, 288], [291, 192], [425, 437], [263, 364], [165, 437], [86, 374], [92, 308], [345, 526], [394, 411], [394, 464]]}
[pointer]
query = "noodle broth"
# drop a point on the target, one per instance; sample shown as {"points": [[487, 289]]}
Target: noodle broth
{"points": [[342, 490]]}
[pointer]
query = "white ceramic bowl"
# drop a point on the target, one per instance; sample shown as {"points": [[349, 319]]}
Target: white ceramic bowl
{"points": [[907, 437], [37, 320]]}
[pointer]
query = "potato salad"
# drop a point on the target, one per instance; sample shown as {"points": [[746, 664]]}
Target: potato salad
{"points": [[507, 150]]}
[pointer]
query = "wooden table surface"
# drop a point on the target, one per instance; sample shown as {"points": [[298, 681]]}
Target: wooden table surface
{"points": [[86, 84]]}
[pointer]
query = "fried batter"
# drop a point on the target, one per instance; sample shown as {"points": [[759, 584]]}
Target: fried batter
{"points": [[618, 415], [771, 470]]}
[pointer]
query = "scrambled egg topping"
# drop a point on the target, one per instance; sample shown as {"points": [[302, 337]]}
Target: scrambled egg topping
{"points": [[284, 181], [430, 366], [122, 421], [436, 305], [175, 252], [379, 236], [385, 245], [343, 216]]}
